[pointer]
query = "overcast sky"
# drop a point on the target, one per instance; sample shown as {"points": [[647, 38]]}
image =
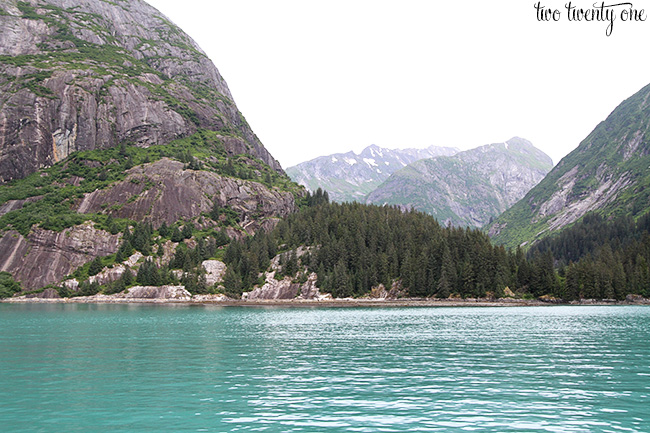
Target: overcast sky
{"points": [[319, 77]]}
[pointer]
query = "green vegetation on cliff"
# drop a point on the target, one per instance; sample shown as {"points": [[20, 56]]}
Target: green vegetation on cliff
{"points": [[354, 248], [53, 194], [607, 174], [8, 287]]}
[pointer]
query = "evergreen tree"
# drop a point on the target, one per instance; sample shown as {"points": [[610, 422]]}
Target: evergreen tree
{"points": [[127, 277], [96, 266], [176, 235], [163, 230], [232, 283], [188, 228]]}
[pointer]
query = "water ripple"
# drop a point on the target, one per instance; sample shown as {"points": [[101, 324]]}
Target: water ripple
{"points": [[172, 369]]}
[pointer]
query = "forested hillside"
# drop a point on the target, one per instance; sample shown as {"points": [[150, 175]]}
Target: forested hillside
{"points": [[357, 247], [354, 248], [601, 259], [608, 173]]}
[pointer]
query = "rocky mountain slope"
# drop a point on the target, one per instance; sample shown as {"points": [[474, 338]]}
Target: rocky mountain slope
{"points": [[469, 188], [91, 74], [609, 173], [349, 177], [120, 140]]}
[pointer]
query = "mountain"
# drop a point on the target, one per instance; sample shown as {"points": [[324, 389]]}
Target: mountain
{"points": [[119, 138], [608, 173], [469, 188], [91, 74], [349, 177]]}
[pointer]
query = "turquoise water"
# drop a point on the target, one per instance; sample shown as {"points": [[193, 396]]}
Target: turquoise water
{"points": [[126, 368]]}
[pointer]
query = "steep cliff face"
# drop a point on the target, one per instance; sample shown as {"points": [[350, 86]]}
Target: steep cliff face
{"points": [[164, 191], [44, 256], [112, 122], [350, 177], [469, 188], [86, 74], [609, 173]]}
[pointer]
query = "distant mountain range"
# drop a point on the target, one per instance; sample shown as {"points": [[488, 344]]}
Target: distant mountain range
{"points": [[461, 188], [350, 177], [608, 173], [469, 188]]}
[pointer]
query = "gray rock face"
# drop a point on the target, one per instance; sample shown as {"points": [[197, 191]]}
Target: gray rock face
{"points": [[349, 177], [285, 288], [45, 257], [159, 292], [163, 191], [87, 74], [214, 271], [469, 188]]}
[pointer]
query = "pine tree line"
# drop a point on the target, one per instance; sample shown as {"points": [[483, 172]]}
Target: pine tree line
{"points": [[602, 259], [358, 247]]}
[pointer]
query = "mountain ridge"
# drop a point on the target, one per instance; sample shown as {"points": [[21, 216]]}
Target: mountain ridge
{"points": [[83, 75], [350, 176], [470, 187], [607, 173]]}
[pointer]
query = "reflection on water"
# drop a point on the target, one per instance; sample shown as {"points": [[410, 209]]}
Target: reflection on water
{"points": [[186, 368]]}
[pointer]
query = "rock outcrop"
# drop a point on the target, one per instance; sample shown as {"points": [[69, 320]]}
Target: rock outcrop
{"points": [[158, 292], [164, 191], [286, 288], [469, 188], [45, 257], [86, 74], [214, 271]]}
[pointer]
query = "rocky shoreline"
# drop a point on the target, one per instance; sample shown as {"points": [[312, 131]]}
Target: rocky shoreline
{"points": [[222, 300]]}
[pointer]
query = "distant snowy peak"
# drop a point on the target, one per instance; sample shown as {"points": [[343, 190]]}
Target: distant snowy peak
{"points": [[469, 188], [350, 176]]}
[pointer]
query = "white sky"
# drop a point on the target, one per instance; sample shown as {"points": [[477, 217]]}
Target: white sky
{"points": [[319, 77]]}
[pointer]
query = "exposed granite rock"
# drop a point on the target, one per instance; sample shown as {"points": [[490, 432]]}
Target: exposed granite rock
{"points": [[381, 292], [45, 257], [12, 205], [161, 292], [214, 271], [169, 249], [108, 275], [636, 299], [163, 191], [86, 74], [286, 288], [211, 298], [273, 289]]}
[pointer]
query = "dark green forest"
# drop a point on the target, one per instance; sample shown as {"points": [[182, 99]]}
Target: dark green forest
{"points": [[354, 247], [357, 247], [601, 259]]}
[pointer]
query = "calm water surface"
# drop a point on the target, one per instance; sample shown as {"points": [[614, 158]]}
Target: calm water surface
{"points": [[125, 368]]}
